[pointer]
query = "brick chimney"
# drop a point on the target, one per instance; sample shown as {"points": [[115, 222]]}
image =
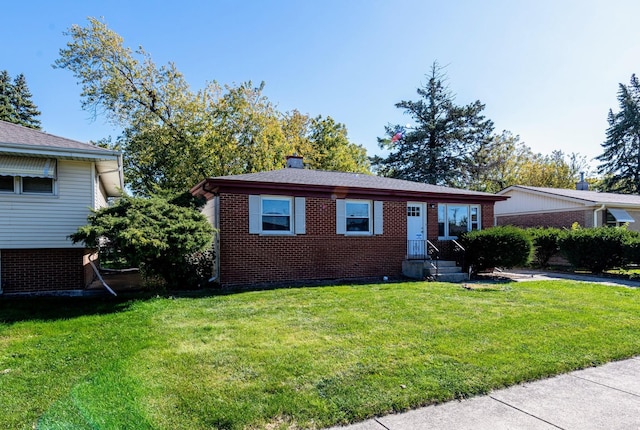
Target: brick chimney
{"points": [[294, 162], [582, 185]]}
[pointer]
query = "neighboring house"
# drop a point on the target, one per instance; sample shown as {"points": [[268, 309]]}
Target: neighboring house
{"points": [[48, 184], [556, 207], [297, 224]]}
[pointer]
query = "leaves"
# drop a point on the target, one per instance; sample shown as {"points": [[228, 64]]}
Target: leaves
{"points": [[16, 105], [174, 137]]}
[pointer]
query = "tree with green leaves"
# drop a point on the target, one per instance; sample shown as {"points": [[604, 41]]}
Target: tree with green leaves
{"points": [[16, 104], [620, 160], [441, 145], [160, 236], [173, 136]]}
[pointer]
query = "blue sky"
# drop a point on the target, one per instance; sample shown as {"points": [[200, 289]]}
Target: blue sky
{"points": [[546, 70]]}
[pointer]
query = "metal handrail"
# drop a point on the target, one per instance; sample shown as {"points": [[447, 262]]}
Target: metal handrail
{"points": [[455, 242], [437, 254]]}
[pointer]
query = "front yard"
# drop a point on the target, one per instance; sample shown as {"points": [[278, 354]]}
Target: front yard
{"points": [[299, 357]]}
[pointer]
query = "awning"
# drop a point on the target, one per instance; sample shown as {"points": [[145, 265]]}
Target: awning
{"points": [[27, 166], [621, 215]]}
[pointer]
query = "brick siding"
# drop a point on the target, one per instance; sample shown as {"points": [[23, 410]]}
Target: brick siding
{"points": [[320, 254], [30, 270], [549, 219]]}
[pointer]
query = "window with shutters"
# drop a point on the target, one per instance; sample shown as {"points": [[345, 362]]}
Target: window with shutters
{"points": [[358, 217], [282, 215]]}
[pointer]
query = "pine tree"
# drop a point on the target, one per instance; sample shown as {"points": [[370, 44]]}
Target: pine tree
{"points": [[621, 157], [7, 110], [439, 149], [26, 111]]}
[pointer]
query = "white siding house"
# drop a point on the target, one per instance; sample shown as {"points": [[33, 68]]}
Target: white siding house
{"points": [[48, 185]]}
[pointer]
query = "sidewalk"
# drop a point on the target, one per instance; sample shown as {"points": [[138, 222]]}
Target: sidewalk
{"points": [[605, 397]]}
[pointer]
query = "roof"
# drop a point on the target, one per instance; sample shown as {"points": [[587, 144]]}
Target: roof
{"points": [[339, 183], [16, 140], [593, 197]]}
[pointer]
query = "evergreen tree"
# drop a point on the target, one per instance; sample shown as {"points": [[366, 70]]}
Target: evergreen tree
{"points": [[439, 149], [26, 111], [7, 110], [621, 157]]}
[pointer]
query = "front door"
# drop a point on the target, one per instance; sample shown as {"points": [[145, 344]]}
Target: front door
{"points": [[416, 230]]}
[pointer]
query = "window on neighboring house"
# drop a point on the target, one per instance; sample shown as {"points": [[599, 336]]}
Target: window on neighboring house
{"points": [[37, 185], [453, 220], [276, 215], [358, 217], [27, 175], [7, 184]]}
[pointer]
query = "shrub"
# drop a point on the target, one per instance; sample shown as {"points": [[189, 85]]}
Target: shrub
{"points": [[545, 244], [598, 249], [163, 239], [505, 246]]}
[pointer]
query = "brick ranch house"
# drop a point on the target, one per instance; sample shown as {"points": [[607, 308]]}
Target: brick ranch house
{"points": [[297, 224], [48, 184], [556, 207]]}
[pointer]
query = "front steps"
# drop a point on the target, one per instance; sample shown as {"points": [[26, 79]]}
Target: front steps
{"points": [[439, 270]]}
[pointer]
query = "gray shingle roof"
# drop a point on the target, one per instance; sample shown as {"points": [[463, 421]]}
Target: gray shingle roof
{"points": [[341, 179], [588, 196], [14, 134]]}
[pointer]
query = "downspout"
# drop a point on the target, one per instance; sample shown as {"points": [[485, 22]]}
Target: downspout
{"points": [[595, 214]]}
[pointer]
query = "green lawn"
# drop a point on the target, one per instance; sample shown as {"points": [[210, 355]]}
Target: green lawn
{"points": [[299, 357]]}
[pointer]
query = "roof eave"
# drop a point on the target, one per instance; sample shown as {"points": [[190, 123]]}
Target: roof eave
{"points": [[71, 153], [212, 186]]}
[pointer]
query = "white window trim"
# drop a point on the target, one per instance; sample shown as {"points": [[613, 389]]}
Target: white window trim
{"points": [[18, 188], [375, 216], [297, 215], [447, 236]]}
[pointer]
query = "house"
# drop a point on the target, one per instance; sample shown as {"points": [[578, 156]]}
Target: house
{"points": [[298, 224], [48, 184], [556, 207]]}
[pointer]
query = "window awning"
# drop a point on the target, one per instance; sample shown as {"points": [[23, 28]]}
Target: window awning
{"points": [[621, 215], [27, 166]]}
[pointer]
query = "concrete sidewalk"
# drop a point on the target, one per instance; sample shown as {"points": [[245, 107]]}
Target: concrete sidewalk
{"points": [[605, 397]]}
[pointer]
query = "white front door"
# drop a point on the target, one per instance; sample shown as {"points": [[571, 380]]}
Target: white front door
{"points": [[416, 229]]}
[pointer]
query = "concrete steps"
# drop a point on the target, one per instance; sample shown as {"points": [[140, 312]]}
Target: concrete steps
{"points": [[440, 270]]}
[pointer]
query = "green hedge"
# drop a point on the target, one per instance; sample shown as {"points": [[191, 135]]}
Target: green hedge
{"points": [[505, 246], [599, 249], [545, 244]]}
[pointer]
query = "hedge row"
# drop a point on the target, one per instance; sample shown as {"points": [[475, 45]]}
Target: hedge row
{"points": [[594, 249]]}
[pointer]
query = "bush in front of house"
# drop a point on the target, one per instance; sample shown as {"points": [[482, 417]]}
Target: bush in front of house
{"points": [[165, 239], [545, 244], [599, 249], [504, 246]]}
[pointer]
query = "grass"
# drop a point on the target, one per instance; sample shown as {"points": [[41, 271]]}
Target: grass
{"points": [[299, 357]]}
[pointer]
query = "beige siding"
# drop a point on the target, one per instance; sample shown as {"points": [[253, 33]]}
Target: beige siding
{"points": [[523, 202], [100, 200], [45, 221]]}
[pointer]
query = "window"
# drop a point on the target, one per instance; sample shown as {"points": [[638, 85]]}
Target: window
{"points": [[7, 184], [453, 220], [37, 185], [358, 217], [275, 215]]}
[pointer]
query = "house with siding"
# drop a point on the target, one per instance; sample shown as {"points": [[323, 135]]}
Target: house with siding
{"points": [[48, 184], [297, 224], [556, 207]]}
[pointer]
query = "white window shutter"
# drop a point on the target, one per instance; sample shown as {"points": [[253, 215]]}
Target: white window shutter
{"points": [[341, 223], [300, 215], [377, 217], [255, 215]]}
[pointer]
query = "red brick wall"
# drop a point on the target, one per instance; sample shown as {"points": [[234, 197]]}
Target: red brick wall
{"points": [[549, 219], [28, 270], [320, 253]]}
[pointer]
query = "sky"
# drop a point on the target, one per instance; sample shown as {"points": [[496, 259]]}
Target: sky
{"points": [[548, 71]]}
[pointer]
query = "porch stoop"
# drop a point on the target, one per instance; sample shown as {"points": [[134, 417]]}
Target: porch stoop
{"points": [[446, 271]]}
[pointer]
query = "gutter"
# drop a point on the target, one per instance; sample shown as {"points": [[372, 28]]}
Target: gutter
{"points": [[595, 214]]}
